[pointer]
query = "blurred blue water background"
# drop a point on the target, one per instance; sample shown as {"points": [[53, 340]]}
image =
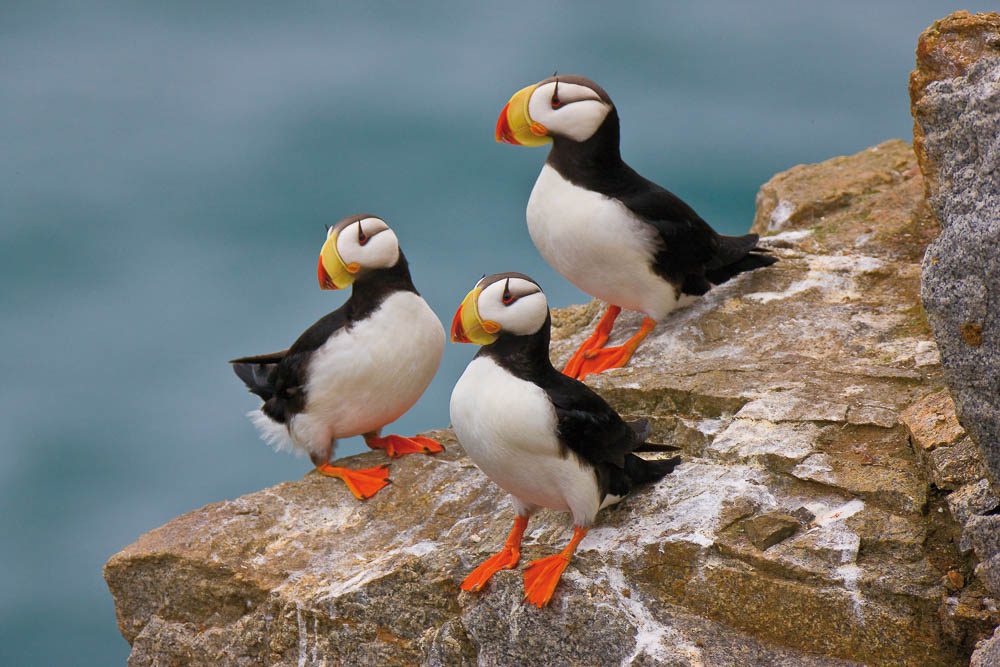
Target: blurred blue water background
{"points": [[167, 170]]}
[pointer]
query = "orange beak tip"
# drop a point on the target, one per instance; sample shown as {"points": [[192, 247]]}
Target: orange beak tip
{"points": [[504, 134], [457, 332], [325, 281]]}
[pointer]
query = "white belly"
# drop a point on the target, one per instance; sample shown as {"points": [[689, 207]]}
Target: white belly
{"points": [[507, 426], [367, 376], [597, 244]]}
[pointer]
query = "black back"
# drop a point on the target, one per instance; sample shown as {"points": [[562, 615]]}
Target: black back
{"points": [[279, 378], [689, 247]]}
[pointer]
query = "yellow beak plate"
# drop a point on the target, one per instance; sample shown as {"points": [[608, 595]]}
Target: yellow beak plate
{"points": [[468, 327], [514, 126]]}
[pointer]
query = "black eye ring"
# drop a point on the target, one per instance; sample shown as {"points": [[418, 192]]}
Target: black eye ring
{"points": [[362, 239], [556, 102]]}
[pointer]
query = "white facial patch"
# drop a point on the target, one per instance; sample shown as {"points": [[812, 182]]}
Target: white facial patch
{"points": [[369, 243], [578, 115], [523, 313]]}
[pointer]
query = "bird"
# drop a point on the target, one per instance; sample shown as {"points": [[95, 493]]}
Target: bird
{"points": [[612, 233], [542, 436], [359, 367]]}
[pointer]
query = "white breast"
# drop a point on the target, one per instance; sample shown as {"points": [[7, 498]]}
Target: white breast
{"points": [[597, 244], [368, 375], [508, 428]]}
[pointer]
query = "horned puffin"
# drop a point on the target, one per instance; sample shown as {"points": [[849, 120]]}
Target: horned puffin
{"points": [[606, 229], [547, 439], [356, 369]]}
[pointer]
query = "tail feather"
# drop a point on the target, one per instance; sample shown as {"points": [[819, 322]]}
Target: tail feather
{"points": [[656, 447], [645, 471], [642, 431], [756, 259], [256, 377], [732, 249]]}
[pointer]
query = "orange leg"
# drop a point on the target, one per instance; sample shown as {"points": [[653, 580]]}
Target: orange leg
{"points": [[595, 341], [398, 445], [362, 483], [596, 361], [504, 560], [542, 575]]}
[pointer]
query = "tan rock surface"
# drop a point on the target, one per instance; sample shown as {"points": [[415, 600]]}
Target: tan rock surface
{"points": [[785, 388]]}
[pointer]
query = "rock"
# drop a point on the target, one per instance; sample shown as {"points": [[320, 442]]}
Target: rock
{"points": [[983, 533], [768, 529], [785, 387], [954, 580], [955, 98], [989, 572], [946, 50], [952, 467], [971, 500], [987, 652], [932, 421], [820, 208]]}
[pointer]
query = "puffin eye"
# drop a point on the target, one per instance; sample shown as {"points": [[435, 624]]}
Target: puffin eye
{"points": [[508, 298], [362, 239], [556, 102]]}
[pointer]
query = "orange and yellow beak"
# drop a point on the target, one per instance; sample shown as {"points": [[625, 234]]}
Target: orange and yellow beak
{"points": [[514, 126], [468, 327], [332, 272]]}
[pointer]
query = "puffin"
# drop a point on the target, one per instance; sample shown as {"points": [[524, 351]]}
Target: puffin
{"points": [[542, 436], [612, 233], [356, 369]]}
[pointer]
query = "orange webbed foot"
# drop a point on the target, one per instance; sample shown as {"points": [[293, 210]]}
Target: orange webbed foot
{"points": [[398, 445], [541, 578], [505, 560], [600, 360], [363, 483], [595, 341]]}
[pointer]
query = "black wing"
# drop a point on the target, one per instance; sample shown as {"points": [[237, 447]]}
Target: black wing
{"points": [[692, 255], [688, 242], [279, 378], [588, 426]]}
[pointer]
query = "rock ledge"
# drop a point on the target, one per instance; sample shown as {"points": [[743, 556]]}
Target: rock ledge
{"points": [[815, 521]]}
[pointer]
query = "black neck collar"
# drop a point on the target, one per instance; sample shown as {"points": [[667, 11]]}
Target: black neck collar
{"points": [[526, 357], [371, 288], [597, 156]]}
